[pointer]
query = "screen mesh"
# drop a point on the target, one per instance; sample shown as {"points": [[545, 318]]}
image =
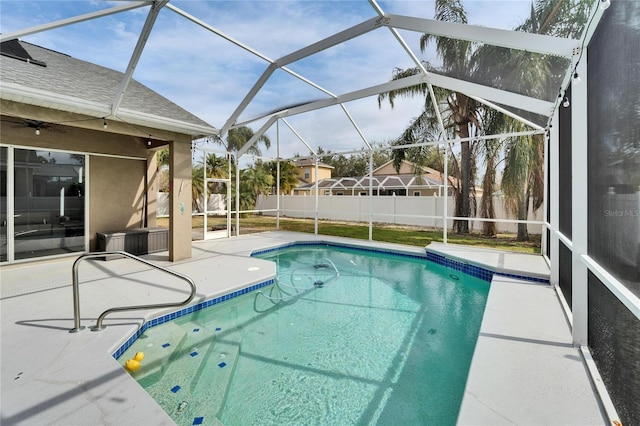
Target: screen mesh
{"points": [[565, 275], [613, 148], [614, 143], [613, 341]]}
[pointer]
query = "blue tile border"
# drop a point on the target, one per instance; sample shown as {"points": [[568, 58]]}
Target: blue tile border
{"points": [[477, 271], [184, 311], [344, 246], [467, 268]]}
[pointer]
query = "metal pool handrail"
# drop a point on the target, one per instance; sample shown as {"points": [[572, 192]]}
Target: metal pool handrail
{"points": [[99, 326]]}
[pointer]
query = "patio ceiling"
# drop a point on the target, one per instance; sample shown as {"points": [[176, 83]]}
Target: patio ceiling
{"points": [[520, 102]]}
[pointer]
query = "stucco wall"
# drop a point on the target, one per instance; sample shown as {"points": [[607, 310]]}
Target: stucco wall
{"points": [[116, 197]]}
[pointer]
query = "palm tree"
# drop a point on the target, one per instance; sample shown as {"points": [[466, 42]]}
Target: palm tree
{"points": [[162, 158], [197, 186], [254, 180], [288, 174], [459, 112], [490, 151], [532, 75], [217, 167], [239, 136], [523, 177]]}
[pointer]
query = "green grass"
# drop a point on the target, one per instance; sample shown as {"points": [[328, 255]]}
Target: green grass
{"points": [[412, 236]]}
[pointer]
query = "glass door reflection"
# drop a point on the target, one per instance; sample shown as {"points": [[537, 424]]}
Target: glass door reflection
{"points": [[49, 211]]}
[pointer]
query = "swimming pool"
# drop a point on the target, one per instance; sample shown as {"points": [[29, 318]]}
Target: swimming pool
{"points": [[345, 336]]}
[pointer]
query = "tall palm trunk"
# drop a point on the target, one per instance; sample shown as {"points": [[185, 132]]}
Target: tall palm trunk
{"points": [[523, 210], [463, 116]]}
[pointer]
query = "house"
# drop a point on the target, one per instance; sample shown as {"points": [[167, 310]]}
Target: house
{"points": [[385, 180], [77, 150], [307, 174]]}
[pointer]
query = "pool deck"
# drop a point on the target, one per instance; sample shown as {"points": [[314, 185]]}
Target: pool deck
{"points": [[524, 370]]}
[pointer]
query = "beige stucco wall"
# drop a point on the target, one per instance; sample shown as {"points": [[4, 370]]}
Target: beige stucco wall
{"points": [[116, 197], [180, 200], [117, 185], [323, 173]]}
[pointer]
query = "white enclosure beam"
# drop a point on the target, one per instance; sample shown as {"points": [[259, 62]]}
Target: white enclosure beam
{"points": [[216, 31], [580, 207], [311, 150], [309, 50], [554, 196], [508, 98], [511, 99], [248, 98], [415, 60], [508, 113], [73, 20], [335, 39], [137, 52], [362, 136], [544, 44], [256, 136]]}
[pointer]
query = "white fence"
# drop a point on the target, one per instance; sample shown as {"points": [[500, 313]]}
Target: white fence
{"points": [[216, 203], [398, 210]]}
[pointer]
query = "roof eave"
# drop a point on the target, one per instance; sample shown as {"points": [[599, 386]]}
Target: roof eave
{"points": [[31, 96]]}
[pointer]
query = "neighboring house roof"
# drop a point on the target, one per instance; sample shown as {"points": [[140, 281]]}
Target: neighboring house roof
{"points": [[303, 162], [378, 182], [407, 168], [37, 76]]}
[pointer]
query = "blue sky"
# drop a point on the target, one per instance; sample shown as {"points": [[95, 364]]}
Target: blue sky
{"points": [[210, 76]]}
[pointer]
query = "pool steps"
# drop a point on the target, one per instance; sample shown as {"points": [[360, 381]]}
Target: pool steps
{"points": [[158, 350], [188, 347], [214, 390]]}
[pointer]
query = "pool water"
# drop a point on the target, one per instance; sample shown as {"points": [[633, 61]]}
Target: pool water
{"points": [[344, 337]]}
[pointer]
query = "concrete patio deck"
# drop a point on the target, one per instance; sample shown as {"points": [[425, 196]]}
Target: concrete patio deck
{"points": [[524, 369]]}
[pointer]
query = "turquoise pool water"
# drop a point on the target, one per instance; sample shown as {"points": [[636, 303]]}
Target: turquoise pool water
{"points": [[344, 337]]}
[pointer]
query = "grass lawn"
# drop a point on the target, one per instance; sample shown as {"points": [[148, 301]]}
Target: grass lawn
{"points": [[413, 236]]}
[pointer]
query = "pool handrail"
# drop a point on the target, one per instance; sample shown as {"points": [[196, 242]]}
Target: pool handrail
{"points": [[76, 290]]}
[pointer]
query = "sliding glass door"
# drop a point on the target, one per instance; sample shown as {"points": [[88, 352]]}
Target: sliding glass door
{"points": [[45, 215]]}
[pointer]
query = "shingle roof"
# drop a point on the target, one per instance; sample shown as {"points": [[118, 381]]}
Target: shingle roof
{"points": [[301, 162], [382, 182], [70, 84]]}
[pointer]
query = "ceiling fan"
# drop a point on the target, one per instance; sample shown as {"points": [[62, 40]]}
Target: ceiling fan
{"points": [[38, 125]]}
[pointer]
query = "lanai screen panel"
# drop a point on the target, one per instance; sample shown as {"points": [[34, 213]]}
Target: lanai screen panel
{"points": [[614, 200], [614, 144], [517, 71]]}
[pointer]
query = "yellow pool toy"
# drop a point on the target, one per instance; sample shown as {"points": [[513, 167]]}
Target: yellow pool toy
{"points": [[132, 365]]}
